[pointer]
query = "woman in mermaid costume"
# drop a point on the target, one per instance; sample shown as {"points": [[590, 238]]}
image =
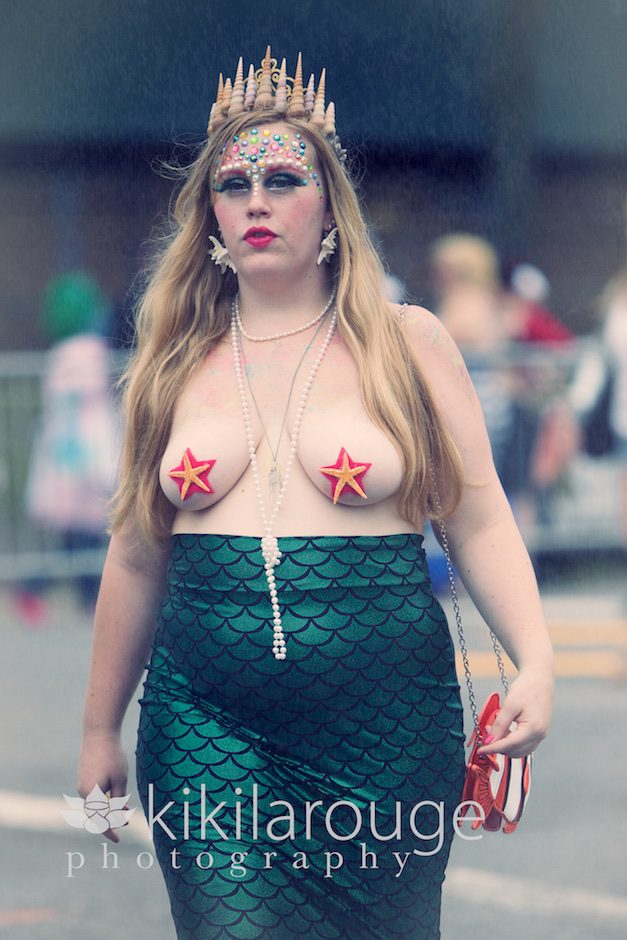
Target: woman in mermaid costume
{"points": [[289, 433]]}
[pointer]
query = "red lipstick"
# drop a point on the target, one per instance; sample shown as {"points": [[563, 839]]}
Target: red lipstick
{"points": [[259, 236]]}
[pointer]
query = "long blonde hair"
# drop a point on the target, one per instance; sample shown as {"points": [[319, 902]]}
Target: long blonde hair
{"points": [[185, 311]]}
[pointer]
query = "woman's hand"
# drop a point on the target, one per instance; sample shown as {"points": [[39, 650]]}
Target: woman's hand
{"points": [[102, 762], [529, 703]]}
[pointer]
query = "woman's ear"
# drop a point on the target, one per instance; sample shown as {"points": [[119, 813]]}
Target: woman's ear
{"points": [[329, 221]]}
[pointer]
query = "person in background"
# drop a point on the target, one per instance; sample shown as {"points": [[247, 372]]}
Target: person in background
{"points": [[464, 273], [542, 382], [463, 279], [532, 431], [72, 470], [524, 299]]}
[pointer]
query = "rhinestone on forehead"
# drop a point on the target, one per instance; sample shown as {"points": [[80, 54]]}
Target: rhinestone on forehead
{"points": [[255, 151]]}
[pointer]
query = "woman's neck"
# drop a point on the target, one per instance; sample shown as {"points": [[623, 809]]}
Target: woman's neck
{"points": [[272, 308]]}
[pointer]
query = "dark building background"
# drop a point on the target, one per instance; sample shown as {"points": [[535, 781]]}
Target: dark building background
{"points": [[504, 118]]}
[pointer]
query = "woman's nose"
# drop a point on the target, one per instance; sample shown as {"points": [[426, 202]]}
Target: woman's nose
{"points": [[257, 201]]}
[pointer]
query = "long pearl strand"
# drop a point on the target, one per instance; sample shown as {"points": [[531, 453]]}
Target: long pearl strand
{"points": [[298, 329], [269, 543]]}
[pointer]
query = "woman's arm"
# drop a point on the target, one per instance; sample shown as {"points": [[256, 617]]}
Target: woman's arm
{"points": [[486, 545], [133, 581]]}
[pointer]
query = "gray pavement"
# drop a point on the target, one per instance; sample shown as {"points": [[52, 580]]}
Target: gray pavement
{"points": [[562, 875]]}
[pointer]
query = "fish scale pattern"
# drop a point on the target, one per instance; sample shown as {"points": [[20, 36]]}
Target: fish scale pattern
{"points": [[287, 793]]}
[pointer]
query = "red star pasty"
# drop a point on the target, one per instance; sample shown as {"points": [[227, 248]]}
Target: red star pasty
{"points": [[191, 475], [345, 472]]}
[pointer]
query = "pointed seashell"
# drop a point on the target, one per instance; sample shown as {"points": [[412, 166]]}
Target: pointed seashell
{"points": [[327, 246], [220, 255], [297, 101], [215, 112], [280, 101], [317, 116], [220, 92], [265, 98], [310, 94], [251, 89], [329, 120], [237, 97], [226, 96], [216, 117]]}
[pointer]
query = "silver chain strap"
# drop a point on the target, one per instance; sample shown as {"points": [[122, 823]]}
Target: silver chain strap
{"points": [[458, 616]]}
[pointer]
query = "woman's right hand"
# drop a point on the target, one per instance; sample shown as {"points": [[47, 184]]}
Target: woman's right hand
{"points": [[102, 762]]}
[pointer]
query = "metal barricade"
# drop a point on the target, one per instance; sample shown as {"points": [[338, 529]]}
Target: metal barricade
{"points": [[580, 510], [27, 550]]}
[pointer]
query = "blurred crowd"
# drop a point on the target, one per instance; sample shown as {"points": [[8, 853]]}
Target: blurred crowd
{"points": [[546, 394], [493, 315]]}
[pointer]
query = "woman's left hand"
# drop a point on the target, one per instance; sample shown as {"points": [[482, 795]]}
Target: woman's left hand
{"points": [[528, 703]]}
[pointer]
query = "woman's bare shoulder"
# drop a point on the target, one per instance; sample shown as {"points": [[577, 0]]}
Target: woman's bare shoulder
{"points": [[446, 376], [436, 352], [419, 322]]}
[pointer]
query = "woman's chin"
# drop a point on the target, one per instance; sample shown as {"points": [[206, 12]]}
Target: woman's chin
{"points": [[272, 266]]}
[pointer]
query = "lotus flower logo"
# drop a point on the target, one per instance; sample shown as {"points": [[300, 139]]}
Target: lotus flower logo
{"points": [[97, 813]]}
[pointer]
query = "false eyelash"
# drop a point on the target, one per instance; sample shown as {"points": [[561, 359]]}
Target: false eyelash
{"points": [[221, 187], [297, 180]]}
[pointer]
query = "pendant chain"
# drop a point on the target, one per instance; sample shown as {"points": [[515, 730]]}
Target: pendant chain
{"points": [[269, 544], [274, 477]]}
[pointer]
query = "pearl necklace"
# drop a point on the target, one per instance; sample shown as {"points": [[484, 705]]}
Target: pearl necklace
{"points": [[269, 543], [298, 329]]}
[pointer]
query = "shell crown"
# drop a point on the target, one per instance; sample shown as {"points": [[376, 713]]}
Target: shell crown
{"points": [[270, 88]]}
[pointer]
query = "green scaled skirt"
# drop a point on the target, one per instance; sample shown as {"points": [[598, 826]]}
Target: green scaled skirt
{"points": [[311, 796]]}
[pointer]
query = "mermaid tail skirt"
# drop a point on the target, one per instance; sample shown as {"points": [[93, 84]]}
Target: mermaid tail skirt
{"points": [[312, 796]]}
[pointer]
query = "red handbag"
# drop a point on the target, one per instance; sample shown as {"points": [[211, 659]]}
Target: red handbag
{"points": [[499, 784]]}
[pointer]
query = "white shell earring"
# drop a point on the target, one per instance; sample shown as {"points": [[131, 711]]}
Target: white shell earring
{"points": [[220, 255], [327, 246]]}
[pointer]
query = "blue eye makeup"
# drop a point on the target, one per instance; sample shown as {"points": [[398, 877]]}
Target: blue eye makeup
{"points": [[232, 184], [284, 180], [281, 181]]}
